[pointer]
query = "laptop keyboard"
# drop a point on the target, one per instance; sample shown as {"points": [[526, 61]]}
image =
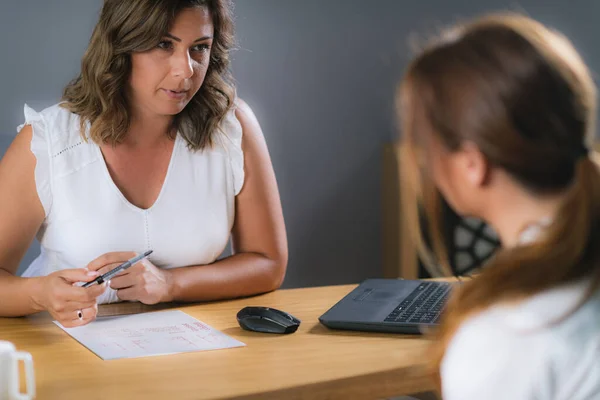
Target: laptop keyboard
{"points": [[424, 305]]}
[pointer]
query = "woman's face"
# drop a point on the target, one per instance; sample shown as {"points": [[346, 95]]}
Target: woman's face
{"points": [[163, 80]]}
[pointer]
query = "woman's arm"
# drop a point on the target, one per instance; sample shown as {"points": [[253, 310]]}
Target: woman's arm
{"points": [[21, 214], [259, 241], [259, 238]]}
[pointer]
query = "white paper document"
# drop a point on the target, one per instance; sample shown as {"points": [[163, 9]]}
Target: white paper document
{"points": [[149, 334]]}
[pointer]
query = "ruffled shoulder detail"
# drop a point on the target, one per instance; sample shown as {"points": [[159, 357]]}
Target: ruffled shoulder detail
{"points": [[232, 133], [41, 147]]}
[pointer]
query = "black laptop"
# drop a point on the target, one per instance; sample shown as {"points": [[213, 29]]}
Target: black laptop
{"points": [[389, 305]]}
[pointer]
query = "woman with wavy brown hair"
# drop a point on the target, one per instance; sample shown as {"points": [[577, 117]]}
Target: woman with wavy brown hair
{"points": [[498, 118], [150, 149]]}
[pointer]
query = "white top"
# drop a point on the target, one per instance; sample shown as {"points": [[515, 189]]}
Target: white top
{"points": [[510, 352], [87, 215]]}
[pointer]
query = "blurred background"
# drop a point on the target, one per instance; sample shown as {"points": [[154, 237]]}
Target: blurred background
{"points": [[320, 76]]}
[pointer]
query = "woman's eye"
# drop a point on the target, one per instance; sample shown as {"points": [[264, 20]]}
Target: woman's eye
{"points": [[201, 48], [165, 45]]}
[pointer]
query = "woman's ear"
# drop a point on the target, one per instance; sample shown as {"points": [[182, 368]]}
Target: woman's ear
{"points": [[476, 166]]}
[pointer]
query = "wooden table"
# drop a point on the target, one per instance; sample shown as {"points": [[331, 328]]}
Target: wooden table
{"points": [[312, 363]]}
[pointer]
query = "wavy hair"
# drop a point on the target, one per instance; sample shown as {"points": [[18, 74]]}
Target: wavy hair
{"points": [[97, 95]]}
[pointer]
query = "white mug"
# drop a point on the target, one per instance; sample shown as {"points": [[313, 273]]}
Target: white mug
{"points": [[9, 373]]}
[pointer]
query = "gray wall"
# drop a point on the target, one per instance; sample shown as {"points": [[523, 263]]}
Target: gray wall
{"points": [[319, 74]]}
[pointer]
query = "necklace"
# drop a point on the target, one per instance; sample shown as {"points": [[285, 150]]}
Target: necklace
{"points": [[531, 232]]}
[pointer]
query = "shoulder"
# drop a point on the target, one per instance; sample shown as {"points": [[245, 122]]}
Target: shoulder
{"points": [[485, 355], [241, 127], [18, 153], [484, 339], [247, 118], [510, 351], [56, 141], [55, 125], [243, 112], [54, 115], [253, 142]]}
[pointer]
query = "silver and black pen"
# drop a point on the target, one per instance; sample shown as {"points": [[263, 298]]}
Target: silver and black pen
{"points": [[102, 278]]}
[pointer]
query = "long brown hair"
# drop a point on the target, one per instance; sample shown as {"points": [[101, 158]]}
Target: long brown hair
{"points": [[523, 95], [97, 95]]}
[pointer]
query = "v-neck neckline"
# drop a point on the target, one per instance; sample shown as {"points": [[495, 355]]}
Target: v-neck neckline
{"points": [[112, 183]]}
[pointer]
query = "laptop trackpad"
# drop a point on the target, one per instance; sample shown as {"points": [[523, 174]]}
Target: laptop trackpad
{"points": [[378, 295]]}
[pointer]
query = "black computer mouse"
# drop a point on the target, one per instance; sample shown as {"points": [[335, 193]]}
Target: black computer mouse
{"points": [[267, 320]]}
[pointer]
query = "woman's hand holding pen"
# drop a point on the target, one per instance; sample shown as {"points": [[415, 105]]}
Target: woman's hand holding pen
{"points": [[69, 304], [143, 282]]}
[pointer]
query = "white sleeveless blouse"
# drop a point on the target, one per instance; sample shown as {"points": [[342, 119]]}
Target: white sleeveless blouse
{"points": [[87, 215]]}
